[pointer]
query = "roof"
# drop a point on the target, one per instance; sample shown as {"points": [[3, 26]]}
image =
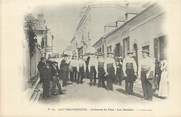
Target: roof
{"points": [[97, 41], [110, 33]]}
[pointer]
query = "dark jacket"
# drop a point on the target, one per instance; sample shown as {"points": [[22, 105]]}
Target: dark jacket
{"points": [[64, 67], [46, 73], [54, 70], [40, 67]]}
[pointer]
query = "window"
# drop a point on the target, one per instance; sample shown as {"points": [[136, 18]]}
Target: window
{"points": [[99, 50], [147, 47], [80, 51], [102, 48], [125, 46], [118, 51], [160, 47], [109, 49]]}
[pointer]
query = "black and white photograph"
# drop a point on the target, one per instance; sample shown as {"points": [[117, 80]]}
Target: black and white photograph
{"points": [[113, 54], [114, 51]]}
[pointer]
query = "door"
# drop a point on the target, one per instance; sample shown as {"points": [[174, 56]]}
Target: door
{"points": [[125, 46], [162, 44], [118, 50]]}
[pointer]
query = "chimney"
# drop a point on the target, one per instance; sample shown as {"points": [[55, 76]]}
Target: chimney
{"points": [[126, 16]]}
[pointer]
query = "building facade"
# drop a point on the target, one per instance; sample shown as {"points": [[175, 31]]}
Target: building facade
{"points": [[81, 39], [36, 44], [95, 22], [142, 32]]}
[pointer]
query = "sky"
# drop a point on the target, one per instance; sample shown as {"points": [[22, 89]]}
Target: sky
{"points": [[62, 21]]}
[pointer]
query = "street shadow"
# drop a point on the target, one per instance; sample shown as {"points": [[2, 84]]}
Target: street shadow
{"points": [[138, 95], [121, 91], [157, 96], [124, 92]]}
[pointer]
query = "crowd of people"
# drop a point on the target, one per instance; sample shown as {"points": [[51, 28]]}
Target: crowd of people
{"points": [[104, 72]]}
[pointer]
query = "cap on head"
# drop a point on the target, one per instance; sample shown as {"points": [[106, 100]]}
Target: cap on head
{"points": [[91, 54], [120, 57], [100, 54], [42, 58], [110, 53], [54, 62], [74, 56], [130, 52], [145, 51], [81, 55], [64, 55], [49, 62]]}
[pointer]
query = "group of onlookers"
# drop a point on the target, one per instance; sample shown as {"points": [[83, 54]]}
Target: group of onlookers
{"points": [[49, 77], [105, 71]]}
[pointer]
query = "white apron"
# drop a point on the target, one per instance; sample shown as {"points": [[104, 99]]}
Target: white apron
{"points": [[164, 86]]}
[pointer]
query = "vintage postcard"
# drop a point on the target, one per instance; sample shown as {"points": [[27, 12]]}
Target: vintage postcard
{"points": [[90, 58]]}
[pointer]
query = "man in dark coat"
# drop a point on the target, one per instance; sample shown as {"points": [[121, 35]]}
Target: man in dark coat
{"points": [[46, 78], [64, 70], [40, 66], [55, 79], [119, 73], [157, 74], [101, 70]]}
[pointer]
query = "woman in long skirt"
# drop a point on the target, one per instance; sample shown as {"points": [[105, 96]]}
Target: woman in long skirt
{"points": [[164, 83]]}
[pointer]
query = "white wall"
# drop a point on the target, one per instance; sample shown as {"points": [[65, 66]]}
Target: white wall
{"points": [[143, 33]]}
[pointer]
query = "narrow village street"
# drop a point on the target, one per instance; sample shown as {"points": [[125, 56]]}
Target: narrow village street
{"points": [[80, 58], [100, 41], [84, 92]]}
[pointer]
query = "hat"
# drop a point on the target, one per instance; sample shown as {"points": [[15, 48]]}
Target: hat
{"points": [[100, 54], [42, 58], [54, 62], [130, 52], [64, 55], [49, 61], [120, 57], [74, 56], [145, 51], [80, 55], [87, 54], [110, 53]]}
